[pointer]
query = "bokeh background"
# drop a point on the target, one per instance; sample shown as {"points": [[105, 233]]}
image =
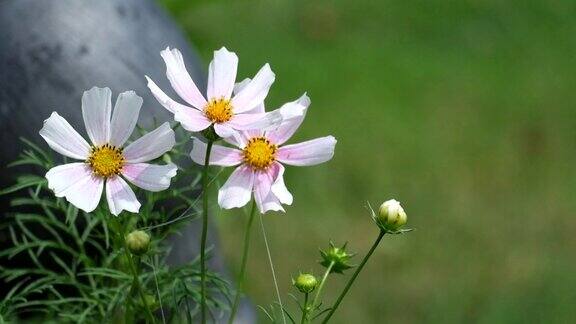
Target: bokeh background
{"points": [[462, 110]]}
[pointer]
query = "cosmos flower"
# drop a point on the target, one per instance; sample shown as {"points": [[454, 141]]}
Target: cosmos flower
{"points": [[259, 159], [227, 113], [106, 161]]}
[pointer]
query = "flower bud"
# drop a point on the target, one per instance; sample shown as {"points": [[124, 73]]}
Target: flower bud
{"points": [[305, 282], [138, 242], [336, 256], [391, 215]]}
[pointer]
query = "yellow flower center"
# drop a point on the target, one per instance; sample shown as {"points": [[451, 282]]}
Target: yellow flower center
{"points": [[259, 153], [106, 160], [218, 110]]}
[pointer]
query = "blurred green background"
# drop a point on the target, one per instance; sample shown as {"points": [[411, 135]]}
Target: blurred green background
{"points": [[462, 110]]}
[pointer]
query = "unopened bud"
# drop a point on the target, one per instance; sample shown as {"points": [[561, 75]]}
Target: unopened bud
{"points": [[391, 215], [138, 242], [305, 282], [338, 257]]}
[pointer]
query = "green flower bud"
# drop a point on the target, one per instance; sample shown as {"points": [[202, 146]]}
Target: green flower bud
{"points": [[138, 242], [391, 215], [338, 256], [305, 282]]}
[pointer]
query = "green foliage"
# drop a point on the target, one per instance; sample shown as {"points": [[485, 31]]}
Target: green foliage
{"points": [[72, 266]]}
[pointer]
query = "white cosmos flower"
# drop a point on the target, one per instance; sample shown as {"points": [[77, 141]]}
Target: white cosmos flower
{"points": [[106, 161], [220, 108], [260, 157]]}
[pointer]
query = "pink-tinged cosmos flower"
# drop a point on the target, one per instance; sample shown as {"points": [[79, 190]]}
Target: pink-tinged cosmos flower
{"points": [[228, 113], [260, 157], [105, 161]]}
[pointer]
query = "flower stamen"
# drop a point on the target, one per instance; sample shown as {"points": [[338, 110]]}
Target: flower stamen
{"points": [[218, 110], [106, 160], [259, 153]]}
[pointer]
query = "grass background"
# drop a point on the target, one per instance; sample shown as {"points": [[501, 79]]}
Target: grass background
{"points": [[462, 110]]}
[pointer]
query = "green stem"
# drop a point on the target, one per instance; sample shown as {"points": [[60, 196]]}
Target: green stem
{"points": [[242, 273], [136, 285], [322, 285], [305, 310], [351, 281], [204, 232]]}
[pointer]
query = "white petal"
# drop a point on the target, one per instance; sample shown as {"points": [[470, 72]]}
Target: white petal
{"points": [[120, 196], [180, 78], [150, 177], [265, 199], [151, 145], [290, 123], [77, 183], [224, 130], [162, 98], [237, 190], [191, 119], [311, 152], [124, 117], [96, 110], [62, 138], [241, 85], [278, 187], [222, 74], [255, 92], [219, 155]]}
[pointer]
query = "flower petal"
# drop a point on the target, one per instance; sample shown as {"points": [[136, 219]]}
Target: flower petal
{"points": [[265, 199], [237, 190], [77, 183], [191, 119], [222, 74], [255, 92], [124, 117], [120, 196], [96, 110], [162, 98], [224, 130], [278, 187], [180, 78], [62, 138], [151, 145], [219, 155], [150, 177], [311, 152], [241, 85], [291, 123]]}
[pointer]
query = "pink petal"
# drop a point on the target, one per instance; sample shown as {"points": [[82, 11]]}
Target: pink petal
{"points": [[162, 98], [219, 155], [237, 190], [77, 183], [311, 152], [151, 146], [120, 197], [265, 199], [62, 138], [124, 117], [150, 177], [290, 124], [191, 119], [96, 110], [224, 130], [180, 78], [241, 85], [257, 121], [222, 74], [278, 187], [255, 92]]}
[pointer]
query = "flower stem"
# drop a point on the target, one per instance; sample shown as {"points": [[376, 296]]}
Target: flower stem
{"points": [[324, 278], [241, 275], [351, 281], [136, 285], [305, 310], [204, 232]]}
